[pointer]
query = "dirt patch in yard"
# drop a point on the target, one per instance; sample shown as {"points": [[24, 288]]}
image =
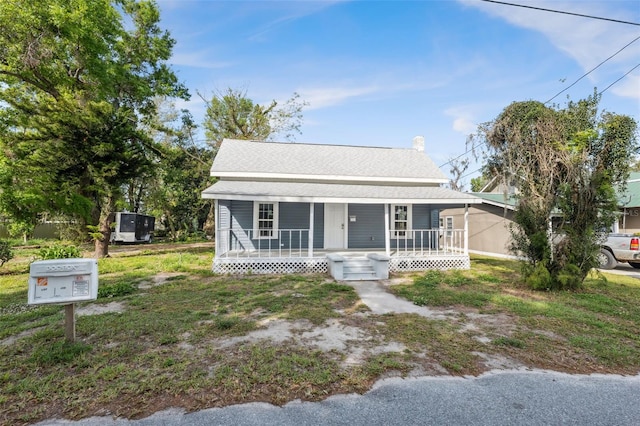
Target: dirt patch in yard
{"points": [[97, 308]]}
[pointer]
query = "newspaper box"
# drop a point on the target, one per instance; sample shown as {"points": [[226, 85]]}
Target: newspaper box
{"points": [[63, 281]]}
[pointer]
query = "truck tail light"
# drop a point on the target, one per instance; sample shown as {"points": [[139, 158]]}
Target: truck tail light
{"points": [[635, 244]]}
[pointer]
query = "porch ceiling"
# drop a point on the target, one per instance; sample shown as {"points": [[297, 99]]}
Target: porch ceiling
{"points": [[335, 193]]}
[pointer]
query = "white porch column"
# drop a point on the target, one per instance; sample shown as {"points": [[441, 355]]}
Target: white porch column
{"points": [[550, 235], [216, 228], [466, 229], [387, 238], [311, 213]]}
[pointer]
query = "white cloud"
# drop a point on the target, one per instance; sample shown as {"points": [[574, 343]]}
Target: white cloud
{"points": [[629, 87], [463, 120], [290, 12], [588, 41], [201, 59], [329, 96]]}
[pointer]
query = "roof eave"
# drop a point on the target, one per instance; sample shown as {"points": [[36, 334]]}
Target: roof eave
{"points": [[326, 178], [343, 200]]}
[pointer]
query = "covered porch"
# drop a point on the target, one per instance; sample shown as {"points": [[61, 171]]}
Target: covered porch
{"points": [[241, 251], [293, 227]]}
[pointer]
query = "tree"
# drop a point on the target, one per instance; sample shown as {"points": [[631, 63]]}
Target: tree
{"points": [[76, 80], [232, 115], [565, 160], [477, 183], [457, 168], [182, 173]]}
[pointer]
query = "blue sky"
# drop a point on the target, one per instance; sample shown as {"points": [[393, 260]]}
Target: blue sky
{"points": [[378, 73]]}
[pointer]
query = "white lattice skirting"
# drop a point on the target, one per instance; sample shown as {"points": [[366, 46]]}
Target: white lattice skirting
{"points": [[407, 264], [319, 265], [273, 265]]}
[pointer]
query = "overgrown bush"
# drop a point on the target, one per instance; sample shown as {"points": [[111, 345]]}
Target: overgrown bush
{"points": [[59, 251], [538, 277], [568, 162], [6, 253], [570, 277]]}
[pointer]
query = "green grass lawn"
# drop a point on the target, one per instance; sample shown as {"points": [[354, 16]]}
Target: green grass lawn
{"points": [[185, 337]]}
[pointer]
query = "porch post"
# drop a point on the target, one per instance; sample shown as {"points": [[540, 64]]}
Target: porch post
{"points": [[387, 239], [216, 228], [311, 212], [466, 229]]}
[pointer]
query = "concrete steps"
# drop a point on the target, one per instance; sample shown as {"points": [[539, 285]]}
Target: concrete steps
{"points": [[358, 269]]}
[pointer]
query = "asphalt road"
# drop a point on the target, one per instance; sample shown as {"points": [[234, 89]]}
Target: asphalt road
{"points": [[496, 398], [623, 269]]}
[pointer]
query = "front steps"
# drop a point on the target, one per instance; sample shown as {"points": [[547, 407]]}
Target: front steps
{"points": [[358, 267]]}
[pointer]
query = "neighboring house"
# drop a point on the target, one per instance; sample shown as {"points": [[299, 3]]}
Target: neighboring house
{"points": [[489, 223], [629, 202], [349, 210]]}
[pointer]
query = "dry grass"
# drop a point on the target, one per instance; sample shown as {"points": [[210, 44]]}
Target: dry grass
{"points": [[180, 336]]}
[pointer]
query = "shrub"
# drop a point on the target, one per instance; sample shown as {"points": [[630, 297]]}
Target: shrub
{"points": [[570, 277], [59, 251], [539, 278], [6, 253]]}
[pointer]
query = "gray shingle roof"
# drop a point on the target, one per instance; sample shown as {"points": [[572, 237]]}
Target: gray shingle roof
{"points": [[246, 158], [322, 192]]}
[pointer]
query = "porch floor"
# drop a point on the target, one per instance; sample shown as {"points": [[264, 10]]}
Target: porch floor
{"points": [[322, 253], [279, 263]]}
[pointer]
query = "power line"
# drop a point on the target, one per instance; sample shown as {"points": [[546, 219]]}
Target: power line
{"points": [[626, 74], [563, 12], [473, 146], [593, 69], [572, 84]]}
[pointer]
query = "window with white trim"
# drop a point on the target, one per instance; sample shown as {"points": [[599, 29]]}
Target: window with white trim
{"points": [[449, 225], [401, 219], [265, 220]]}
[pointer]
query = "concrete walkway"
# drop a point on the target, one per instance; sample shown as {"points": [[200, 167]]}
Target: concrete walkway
{"points": [[375, 295]]}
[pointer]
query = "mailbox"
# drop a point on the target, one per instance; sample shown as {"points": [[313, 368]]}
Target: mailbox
{"points": [[63, 281]]}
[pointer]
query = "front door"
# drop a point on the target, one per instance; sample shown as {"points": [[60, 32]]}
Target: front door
{"points": [[334, 225]]}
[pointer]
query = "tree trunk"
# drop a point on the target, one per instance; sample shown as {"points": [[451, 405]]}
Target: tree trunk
{"points": [[104, 226], [171, 224]]}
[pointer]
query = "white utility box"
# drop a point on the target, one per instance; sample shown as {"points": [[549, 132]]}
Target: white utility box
{"points": [[63, 281]]}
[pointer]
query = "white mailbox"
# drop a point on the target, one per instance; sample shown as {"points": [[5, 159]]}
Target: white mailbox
{"points": [[63, 281]]}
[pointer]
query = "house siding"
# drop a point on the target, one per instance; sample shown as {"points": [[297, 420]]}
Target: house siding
{"points": [[629, 221], [241, 214], [296, 216], [488, 228], [224, 213], [241, 222], [368, 229], [238, 215], [421, 216], [224, 222], [318, 226]]}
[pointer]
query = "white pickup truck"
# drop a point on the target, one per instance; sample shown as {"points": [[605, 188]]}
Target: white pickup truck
{"points": [[620, 248]]}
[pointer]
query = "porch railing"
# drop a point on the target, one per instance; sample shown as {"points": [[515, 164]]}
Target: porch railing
{"points": [[281, 243], [295, 242], [421, 242]]}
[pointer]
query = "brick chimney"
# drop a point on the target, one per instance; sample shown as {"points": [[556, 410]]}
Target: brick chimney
{"points": [[418, 143]]}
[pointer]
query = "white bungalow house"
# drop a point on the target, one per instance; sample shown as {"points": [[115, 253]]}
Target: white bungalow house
{"points": [[356, 212]]}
